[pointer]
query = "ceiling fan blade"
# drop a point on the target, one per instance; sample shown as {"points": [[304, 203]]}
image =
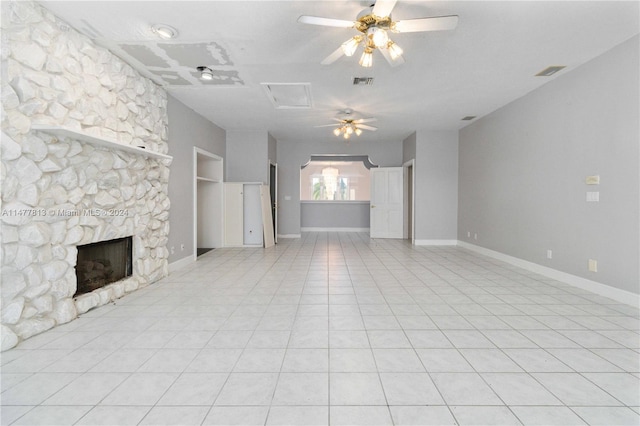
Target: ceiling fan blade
{"points": [[383, 8], [337, 54], [326, 125], [366, 127], [365, 120], [327, 22], [437, 23], [394, 63], [339, 120]]}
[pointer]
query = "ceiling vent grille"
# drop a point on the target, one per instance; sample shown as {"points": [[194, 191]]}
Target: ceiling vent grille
{"points": [[549, 71], [468, 118], [362, 81]]}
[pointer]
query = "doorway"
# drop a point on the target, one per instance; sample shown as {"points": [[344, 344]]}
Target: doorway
{"points": [[273, 193], [207, 199], [409, 197]]}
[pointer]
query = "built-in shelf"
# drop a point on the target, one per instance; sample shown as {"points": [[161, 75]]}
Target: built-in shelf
{"points": [[64, 132]]}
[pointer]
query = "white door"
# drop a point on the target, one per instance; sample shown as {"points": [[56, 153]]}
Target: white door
{"points": [[387, 219], [233, 214], [252, 215]]}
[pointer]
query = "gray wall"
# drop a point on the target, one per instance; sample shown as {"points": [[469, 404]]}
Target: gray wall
{"points": [[293, 154], [523, 169], [409, 148], [272, 150], [186, 130], [436, 177], [346, 214], [247, 156]]}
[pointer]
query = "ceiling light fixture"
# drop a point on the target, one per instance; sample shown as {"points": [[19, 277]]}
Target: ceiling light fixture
{"points": [[349, 47], [366, 60], [205, 73], [375, 36], [347, 129], [394, 50], [378, 36], [164, 31]]}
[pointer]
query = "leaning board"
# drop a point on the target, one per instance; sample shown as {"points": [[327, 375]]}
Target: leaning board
{"points": [[267, 221]]}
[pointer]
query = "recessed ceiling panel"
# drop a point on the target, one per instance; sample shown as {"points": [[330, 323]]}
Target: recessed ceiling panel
{"points": [[289, 95]]}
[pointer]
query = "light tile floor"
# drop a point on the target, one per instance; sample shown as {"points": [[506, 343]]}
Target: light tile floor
{"points": [[336, 329]]}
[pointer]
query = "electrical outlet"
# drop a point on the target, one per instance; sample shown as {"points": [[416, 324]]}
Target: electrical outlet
{"points": [[181, 247], [549, 254], [593, 197], [468, 234], [475, 236], [593, 265]]}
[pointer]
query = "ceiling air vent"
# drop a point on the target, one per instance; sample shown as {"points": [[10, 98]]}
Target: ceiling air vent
{"points": [[469, 117], [549, 71], [362, 81]]}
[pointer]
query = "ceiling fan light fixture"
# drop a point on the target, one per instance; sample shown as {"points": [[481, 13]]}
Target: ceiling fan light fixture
{"points": [[164, 31], [378, 36], [349, 47], [205, 73], [395, 51], [366, 60], [346, 135], [336, 131], [358, 132]]}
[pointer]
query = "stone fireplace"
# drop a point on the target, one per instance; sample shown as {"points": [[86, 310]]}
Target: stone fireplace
{"points": [[74, 116]]}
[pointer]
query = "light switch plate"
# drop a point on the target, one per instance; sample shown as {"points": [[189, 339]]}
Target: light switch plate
{"points": [[593, 265]]}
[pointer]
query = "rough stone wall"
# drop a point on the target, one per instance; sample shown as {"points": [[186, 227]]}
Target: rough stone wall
{"points": [[60, 193]]}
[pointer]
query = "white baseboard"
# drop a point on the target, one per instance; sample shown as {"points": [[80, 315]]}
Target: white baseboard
{"points": [[622, 296], [312, 229], [179, 264], [435, 242], [289, 235]]}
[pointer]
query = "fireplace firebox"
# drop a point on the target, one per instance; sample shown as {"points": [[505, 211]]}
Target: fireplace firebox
{"points": [[103, 263]]}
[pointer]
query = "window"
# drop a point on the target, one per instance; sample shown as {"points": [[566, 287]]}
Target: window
{"points": [[334, 181]]}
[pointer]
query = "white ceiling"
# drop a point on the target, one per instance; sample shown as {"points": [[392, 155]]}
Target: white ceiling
{"points": [[487, 62]]}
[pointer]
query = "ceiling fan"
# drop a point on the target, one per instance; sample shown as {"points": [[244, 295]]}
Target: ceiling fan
{"points": [[374, 23], [347, 124]]}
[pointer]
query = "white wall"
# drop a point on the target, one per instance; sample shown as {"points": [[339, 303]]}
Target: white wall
{"points": [[523, 170], [186, 130]]}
